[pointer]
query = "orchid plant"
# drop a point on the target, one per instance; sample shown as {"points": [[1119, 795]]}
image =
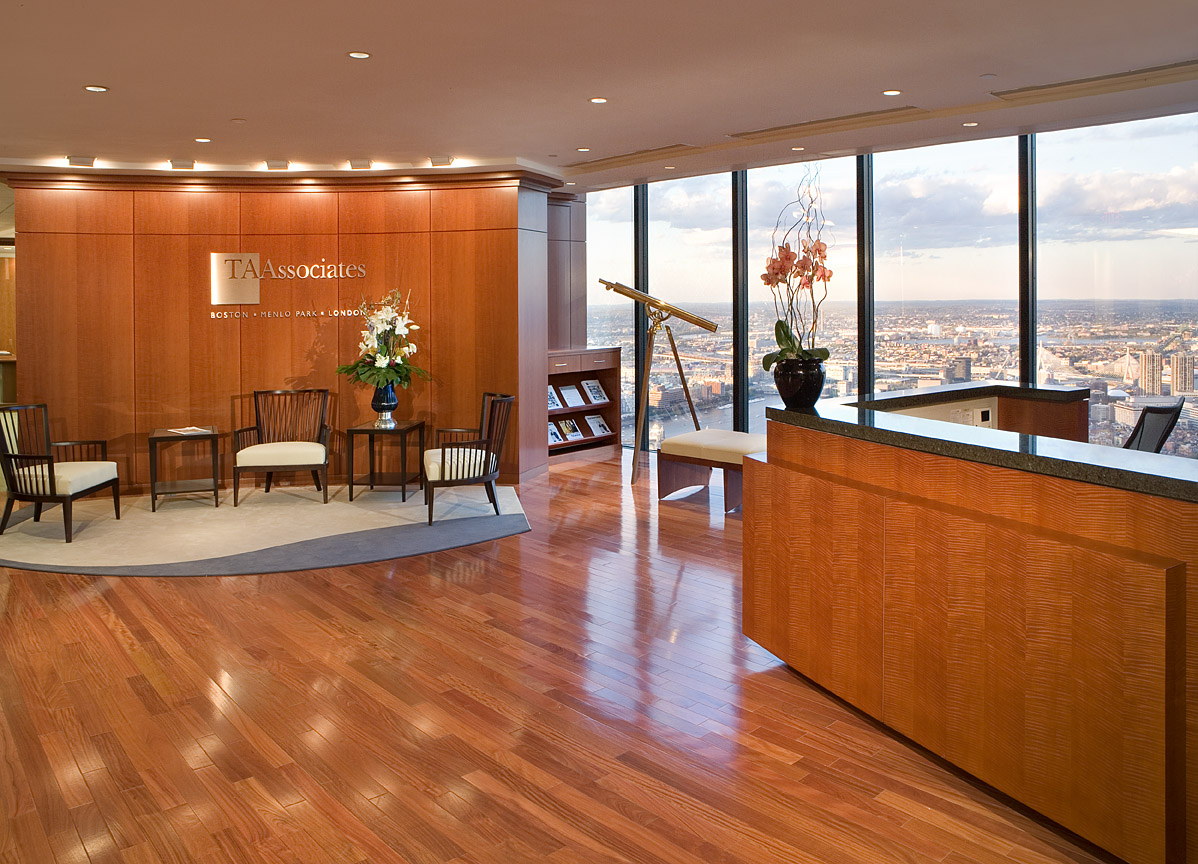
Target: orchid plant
{"points": [[386, 347], [798, 277]]}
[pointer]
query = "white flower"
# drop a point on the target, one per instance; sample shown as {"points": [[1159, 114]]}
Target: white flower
{"points": [[382, 361], [409, 350]]}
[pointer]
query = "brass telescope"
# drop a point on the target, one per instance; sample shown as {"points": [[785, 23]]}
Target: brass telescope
{"points": [[658, 311]]}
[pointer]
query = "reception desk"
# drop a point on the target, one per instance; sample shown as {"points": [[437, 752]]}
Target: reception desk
{"points": [[1018, 604]]}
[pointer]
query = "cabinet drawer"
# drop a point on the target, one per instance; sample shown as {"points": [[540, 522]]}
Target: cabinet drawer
{"points": [[563, 363], [608, 358]]}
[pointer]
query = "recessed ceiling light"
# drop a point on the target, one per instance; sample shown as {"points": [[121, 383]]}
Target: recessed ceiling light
{"points": [[798, 149], [203, 140], [584, 149], [81, 161], [96, 88], [970, 124], [360, 164], [892, 92], [238, 120], [598, 100], [277, 164], [183, 164], [440, 161], [359, 55], [570, 183], [987, 76], [668, 167]]}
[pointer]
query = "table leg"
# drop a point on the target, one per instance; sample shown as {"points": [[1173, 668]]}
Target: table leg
{"points": [[215, 445], [349, 438], [370, 444], [153, 476], [403, 465]]}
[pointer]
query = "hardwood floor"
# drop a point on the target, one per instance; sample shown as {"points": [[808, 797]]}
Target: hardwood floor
{"points": [[581, 693]]}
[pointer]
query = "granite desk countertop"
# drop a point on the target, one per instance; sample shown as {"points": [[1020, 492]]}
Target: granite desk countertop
{"points": [[1135, 471]]}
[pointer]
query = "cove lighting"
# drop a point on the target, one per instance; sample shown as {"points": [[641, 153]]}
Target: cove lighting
{"points": [[183, 164], [277, 164], [440, 161], [96, 88], [81, 161], [360, 164]]}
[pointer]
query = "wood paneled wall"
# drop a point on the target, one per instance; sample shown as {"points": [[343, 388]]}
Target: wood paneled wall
{"points": [[114, 320], [1040, 647], [8, 305], [567, 273]]}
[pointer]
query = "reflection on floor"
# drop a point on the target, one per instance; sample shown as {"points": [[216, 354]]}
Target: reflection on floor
{"points": [[579, 693]]}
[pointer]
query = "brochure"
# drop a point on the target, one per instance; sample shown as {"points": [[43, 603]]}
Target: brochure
{"points": [[571, 429], [554, 402], [572, 397], [598, 427], [594, 391], [555, 437]]}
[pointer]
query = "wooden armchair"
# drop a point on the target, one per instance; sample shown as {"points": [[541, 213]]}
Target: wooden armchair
{"points": [[290, 434], [469, 456], [42, 471]]}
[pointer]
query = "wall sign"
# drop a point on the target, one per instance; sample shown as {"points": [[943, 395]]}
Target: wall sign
{"points": [[236, 276]]}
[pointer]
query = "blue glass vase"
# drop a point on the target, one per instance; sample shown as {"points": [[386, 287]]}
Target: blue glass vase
{"points": [[384, 402]]}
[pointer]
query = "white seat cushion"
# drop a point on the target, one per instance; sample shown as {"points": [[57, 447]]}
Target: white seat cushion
{"points": [[460, 463], [715, 445], [69, 477], [281, 453]]}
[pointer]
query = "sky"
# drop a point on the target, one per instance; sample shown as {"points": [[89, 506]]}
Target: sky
{"points": [[1117, 213]]}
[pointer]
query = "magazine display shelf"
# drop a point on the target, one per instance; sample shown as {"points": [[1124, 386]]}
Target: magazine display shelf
{"points": [[569, 368]]}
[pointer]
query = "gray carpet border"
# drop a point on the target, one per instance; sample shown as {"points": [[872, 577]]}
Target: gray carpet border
{"points": [[338, 550]]}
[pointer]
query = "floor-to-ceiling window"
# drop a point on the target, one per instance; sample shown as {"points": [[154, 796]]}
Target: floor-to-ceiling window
{"points": [[772, 193], [1118, 270], [690, 266], [609, 316], [946, 264]]}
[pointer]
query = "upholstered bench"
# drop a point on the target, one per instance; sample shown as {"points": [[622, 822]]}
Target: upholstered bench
{"points": [[687, 459]]}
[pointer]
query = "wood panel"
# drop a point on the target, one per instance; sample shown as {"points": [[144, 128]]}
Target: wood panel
{"points": [[474, 209], [75, 322], [178, 212], [8, 305], [295, 212], [287, 343], [73, 211], [392, 261], [383, 212], [475, 313], [1039, 647], [188, 364], [1069, 420]]}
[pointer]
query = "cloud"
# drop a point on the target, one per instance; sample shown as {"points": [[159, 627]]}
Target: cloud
{"points": [[1117, 205]]}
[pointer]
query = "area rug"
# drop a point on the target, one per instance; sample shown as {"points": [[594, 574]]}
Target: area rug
{"points": [[288, 529]]}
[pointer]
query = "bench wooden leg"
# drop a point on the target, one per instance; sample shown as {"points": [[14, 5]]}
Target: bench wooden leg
{"points": [[672, 476], [733, 486]]}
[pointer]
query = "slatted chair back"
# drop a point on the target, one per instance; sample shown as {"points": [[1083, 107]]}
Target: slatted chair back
{"points": [[290, 415], [26, 455], [1153, 428], [497, 410]]}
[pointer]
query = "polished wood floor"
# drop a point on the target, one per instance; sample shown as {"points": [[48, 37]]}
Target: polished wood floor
{"points": [[581, 693]]}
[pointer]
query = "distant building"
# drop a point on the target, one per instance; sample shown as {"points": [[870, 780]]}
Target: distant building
{"points": [[1152, 367], [1182, 373], [1127, 411], [958, 371]]}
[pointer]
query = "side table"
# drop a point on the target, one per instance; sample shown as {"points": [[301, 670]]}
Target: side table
{"points": [[170, 487], [403, 428]]}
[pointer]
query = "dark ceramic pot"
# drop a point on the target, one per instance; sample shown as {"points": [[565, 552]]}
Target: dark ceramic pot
{"points": [[384, 402], [799, 383]]}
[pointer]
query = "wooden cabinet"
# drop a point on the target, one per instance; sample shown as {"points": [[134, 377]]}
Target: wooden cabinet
{"points": [[568, 372]]}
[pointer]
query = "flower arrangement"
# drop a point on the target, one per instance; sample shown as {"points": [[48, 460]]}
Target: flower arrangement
{"points": [[386, 349], [798, 277]]}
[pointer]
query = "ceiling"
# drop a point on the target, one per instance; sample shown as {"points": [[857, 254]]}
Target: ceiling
{"points": [[691, 88]]}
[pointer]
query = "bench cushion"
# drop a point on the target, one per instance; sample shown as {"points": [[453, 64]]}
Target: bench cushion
{"points": [[716, 445]]}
